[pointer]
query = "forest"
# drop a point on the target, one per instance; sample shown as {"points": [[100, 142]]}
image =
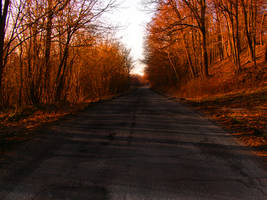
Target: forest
{"points": [[58, 51], [63, 52], [200, 47], [212, 55], [79, 119]]}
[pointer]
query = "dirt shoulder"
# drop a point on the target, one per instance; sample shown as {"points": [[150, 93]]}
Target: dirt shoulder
{"points": [[19, 125], [243, 113], [142, 146]]}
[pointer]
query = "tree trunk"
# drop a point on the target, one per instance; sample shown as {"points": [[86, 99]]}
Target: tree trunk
{"points": [[189, 60], [238, 48], [261, 32], [205, 59], [249, 34], [3, 17], [62, 69], [48, 48], [220, 36]]}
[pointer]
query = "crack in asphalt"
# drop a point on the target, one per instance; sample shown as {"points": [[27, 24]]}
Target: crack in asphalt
{"points": [[140, 146]]}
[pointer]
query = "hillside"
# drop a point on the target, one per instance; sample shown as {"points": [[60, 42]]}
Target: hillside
{"points": [[237, 102], [223, 78]]}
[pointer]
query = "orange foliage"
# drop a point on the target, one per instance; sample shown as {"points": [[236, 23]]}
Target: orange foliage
{"points": [[55, 52], [175, 52]]}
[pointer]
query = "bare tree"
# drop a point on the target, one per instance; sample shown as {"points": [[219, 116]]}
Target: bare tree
{"points": [[249, 8], [4, 6], [230, 9], [198, 11], [78, 17]]}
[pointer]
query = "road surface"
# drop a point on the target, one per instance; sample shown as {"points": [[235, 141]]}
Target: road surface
{"points": [[141, 146]]}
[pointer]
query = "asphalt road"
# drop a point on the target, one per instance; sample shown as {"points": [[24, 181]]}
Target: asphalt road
{"points": [[141, 146]]}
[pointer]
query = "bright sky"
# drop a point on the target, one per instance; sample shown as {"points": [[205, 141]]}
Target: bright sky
{"points": [[132, 17]]}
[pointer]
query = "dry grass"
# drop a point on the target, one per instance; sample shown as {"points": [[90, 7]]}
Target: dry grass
{"points": [[17, 125], [244, 114], [223, 78], [237, 102]]}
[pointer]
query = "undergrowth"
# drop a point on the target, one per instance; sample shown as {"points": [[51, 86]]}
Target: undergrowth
{"points": [[236, 101]]}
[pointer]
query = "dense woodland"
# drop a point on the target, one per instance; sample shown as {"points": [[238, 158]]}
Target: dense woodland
{"points": [[56, 51], [59, 50], [187, 38]]}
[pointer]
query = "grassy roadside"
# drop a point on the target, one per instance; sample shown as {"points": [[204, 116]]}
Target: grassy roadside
{"points": [[243, 113], [17, 126], [237, 102]]}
